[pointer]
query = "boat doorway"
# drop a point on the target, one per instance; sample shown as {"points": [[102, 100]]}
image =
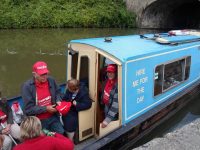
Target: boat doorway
{"points": [[81, 66], [103, 62], [86, 65]]}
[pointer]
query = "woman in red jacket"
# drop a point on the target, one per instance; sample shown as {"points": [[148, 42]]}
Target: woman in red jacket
{"points": [[34, 139]]}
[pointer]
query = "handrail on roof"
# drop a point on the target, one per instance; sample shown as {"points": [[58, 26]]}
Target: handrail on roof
{"points": [[159, 37]]}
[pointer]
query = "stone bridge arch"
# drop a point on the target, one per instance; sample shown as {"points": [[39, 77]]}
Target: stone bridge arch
{"points": [[166, 13]]}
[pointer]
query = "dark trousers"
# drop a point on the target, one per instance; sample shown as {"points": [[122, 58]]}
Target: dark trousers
{"points": [[53, 124], [71, 121]]}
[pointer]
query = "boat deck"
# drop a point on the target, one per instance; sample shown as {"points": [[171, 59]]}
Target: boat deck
{"points": [[84, 143]]}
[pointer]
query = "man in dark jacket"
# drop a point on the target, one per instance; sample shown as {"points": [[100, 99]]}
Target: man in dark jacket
{"points": [[40, 95], [79, 97]]}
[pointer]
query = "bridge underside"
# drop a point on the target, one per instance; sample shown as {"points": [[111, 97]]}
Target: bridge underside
{"points": [[171, 14]]}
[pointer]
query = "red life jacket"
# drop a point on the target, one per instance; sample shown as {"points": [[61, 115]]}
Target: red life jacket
{"points": [[106, 93]]}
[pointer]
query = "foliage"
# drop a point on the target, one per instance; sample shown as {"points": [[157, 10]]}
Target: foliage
{"points": [[64, 13]]}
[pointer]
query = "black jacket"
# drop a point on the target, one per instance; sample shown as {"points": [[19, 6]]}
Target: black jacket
{"points": [[82, 99], [83, 102], [29, 96]]}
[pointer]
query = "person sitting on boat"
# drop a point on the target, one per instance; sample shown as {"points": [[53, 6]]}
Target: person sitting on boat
{"points": [[110, 96], [34, 139], [40, 95], [79, 97], [8, 129]]}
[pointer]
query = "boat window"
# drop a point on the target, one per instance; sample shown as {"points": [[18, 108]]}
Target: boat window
{"points": [[84, 71], [74, 65], [171, 74]]}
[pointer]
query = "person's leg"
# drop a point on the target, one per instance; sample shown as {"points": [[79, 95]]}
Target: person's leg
{"points": [[45, 124], [70, 135], [55, 125], [7, 143], [15, 131], [70, 124]]}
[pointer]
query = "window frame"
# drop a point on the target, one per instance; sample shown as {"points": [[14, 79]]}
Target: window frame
{"points": [[74, 65], [80, 75], [163, 74]]}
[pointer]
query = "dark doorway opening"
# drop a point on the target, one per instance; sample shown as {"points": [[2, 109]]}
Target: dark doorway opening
{"points": [[186, 15]]}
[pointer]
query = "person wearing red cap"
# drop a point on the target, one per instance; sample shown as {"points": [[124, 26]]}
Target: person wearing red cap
{"points": [[40, 95], [79, 97], [110, 96]]}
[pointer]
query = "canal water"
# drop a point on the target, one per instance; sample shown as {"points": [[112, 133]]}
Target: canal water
{"points": [[19, 49]]}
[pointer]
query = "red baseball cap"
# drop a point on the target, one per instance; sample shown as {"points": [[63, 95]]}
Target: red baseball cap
{"points": [[40, 67], [111, 68], [64, 107]]}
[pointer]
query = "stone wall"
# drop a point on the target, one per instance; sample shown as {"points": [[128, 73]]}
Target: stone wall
{"points": [[166, 13]]}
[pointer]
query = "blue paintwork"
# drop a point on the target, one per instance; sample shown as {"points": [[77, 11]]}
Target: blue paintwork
{"points": [[131, 105], [129, 47], [144, 55], [18, 98]]}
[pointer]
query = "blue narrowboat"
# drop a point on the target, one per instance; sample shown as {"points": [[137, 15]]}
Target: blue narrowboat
{"points": [[156, 75]]}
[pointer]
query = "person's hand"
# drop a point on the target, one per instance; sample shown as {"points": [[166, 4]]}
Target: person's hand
{"points": [[48, 133], [58, 103], [74, 102], [8, 127], [51, 109], [6, 130], [104, 124]]}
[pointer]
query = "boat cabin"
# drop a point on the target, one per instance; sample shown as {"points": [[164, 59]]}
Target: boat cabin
{"points": [[151, 69]]}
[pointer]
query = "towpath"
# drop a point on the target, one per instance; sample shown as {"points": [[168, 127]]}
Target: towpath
{"points": [[185, 136]]}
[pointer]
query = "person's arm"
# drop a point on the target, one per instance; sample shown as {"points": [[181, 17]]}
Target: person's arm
{"points": [[1, 141], [10, 115], [30, 107], [84, 103], [9, 120], [58, 94], [66, 97]]}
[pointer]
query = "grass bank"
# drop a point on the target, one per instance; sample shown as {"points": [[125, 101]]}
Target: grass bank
{"points": [[64, 13]]}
